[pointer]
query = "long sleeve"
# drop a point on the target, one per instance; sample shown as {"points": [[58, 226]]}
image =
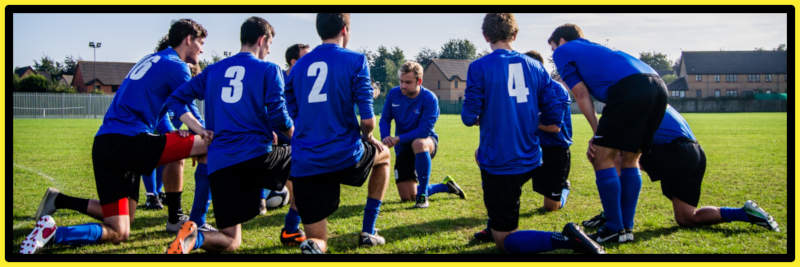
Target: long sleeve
{"points": [[473, 95], [430, 113], [274, 98], [363, 91], [291, 100], [386, 118], [553, 99], [178, 102]]}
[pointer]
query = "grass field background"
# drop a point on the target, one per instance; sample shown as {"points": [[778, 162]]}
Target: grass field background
{"points": [[747, 159]]}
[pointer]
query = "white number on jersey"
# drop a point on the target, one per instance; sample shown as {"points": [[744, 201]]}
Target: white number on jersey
{"points": [[516, 83], [232, 94], [315, 96], [141, 68]]}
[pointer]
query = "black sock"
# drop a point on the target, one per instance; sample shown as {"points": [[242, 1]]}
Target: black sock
{"points": [[174, 206], [73, 203]]}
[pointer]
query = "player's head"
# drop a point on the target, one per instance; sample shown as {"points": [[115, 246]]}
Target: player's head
{"points": [[331, 25], [187, 36], [256, 32], [563, 34], [535, 55], [295, 52], [410, 76], [499, 27]]}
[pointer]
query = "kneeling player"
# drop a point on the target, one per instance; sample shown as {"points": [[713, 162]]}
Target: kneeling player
{"points": [[124, 147], [678, 161], [415, 110], [244, 103]]}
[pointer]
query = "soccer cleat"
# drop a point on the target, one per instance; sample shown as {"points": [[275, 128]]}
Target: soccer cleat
{"points": [[310, 247], [453, 187], [174, 227], [595, 221], [604, 235], [484, 235], [580, 241], [186, 235], [44, 230], [760, 217], [207, 228], [422, 202], [262, 207], [626, 236], [153, 203], [368, 240], [292, 239], [48, 204], [564, 194]]}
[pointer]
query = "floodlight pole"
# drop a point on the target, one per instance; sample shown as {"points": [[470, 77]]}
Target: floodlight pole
{"points": [[94, 46]]}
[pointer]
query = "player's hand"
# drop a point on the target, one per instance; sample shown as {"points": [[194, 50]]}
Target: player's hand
{"points": [[590, 151], [376, 143], [182, 133], [274, 139], [388, 141], [207, 135]]}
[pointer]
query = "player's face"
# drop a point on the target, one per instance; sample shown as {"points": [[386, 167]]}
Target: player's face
{"points": [[409, 82], [553, 46], [195, 49], [265, 48], [303, 52]]}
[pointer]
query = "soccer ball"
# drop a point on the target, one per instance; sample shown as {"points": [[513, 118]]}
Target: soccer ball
{"points": [[277, 199]]}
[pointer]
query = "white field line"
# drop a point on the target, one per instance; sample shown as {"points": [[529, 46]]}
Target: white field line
{"points": [[52, 181]]}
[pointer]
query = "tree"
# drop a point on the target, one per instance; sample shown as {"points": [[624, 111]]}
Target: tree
{"points": [[386, 63], [483, 53], [47, 65], [781, 47], [658, 61], [70, 65], [34, 83], [669, 78], [425, 56], [204, 63], [458, 49]]}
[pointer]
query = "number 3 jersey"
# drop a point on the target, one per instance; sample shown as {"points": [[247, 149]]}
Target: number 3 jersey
{"points": [[141, 95], [244, 103], [506, 91], [322, 89]]}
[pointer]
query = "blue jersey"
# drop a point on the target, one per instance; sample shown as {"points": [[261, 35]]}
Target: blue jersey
{"points": [[322, 89], [169, 122], [673, 126], [414, 117], [597, 66], [506, 91], [136, 107], [562, 138], [244, 104]]}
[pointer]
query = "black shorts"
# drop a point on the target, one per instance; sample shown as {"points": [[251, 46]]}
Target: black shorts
{"points": [[404, 169], [317, 196], [680, 166], [236, 189], [550, 178], [501, 197], [119, 161], [635, 107]]}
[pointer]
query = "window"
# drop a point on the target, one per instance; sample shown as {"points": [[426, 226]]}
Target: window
{"points": [[699, 93], [698, 77], [438, 84], [674, 93], [716, 77], [731, 92], [730, 78], [716, 93], [768, 77], [769, 91], [456, 83], [682, 94], [753, 78]]}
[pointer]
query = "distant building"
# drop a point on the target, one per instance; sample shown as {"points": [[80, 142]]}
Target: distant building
{"points": [[729, 73], [65, 80], [447, 78], [23, 72], [107, 77]]}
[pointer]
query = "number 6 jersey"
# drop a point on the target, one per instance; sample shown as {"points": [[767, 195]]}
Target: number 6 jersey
{"points": [[322, 89], [244, 103]]}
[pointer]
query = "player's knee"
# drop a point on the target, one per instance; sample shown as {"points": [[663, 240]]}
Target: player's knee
{"points": [[234, 245], [119, 236], [419, 145], [383, 157], [685, 220]]}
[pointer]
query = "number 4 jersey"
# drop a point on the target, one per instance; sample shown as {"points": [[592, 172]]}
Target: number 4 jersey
{"points": [[506, 91], [244, 103], [322, 89], [141, 95]]}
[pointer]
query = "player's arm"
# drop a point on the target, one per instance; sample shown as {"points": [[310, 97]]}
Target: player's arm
{"points": [[288, 93], [386, 121], [363, 98], [585, 104], [182, 97], [430, 113], [276, 103], [473, 96], [164, 123], [569, 74], [553, 101]]}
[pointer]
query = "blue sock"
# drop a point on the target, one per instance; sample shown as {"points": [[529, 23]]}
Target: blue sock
{"points": [[529, 241], [630, 180], [160, 179], [370, 215], [199, 240], [564, 195], [437, 188], [264, 193], [422, 164], [202, 194], [149, 181], [82, 234], [292, 221], [608, 186], [733, 214]]}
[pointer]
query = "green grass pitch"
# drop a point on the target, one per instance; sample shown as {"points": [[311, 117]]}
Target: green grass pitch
{"points": [[747, 159]]}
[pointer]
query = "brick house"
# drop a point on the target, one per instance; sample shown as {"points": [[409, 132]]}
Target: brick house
{"points": [[109, 76], [729, 73], [23, 72], [447, 78]]}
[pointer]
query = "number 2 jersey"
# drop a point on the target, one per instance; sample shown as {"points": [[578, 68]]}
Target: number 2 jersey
{"points": [[322, 89], [138, 101], [244, 103], [505, 93]]}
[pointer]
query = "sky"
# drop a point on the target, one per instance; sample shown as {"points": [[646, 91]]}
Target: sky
{"points": [[129, 37]]}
